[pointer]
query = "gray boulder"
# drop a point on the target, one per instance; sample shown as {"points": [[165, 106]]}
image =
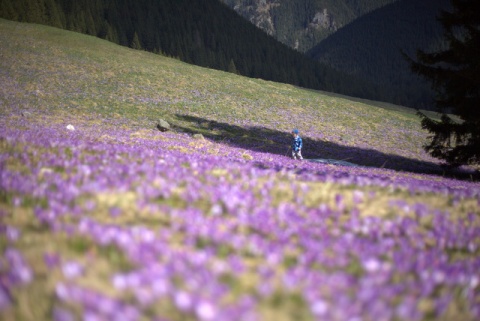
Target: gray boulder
{"points": [[163, 126]]}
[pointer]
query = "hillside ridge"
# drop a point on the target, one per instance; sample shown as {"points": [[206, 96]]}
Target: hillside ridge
{"points": [[302, 24], [206, 33], [52, 69], [371, 49]]}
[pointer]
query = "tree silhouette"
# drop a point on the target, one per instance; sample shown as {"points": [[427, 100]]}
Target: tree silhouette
{"points": [[455, 76], [136, 42], [231, 67]]}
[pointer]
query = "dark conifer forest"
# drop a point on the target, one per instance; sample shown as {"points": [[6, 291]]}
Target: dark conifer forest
{"points": [[371, 47], [302, 24], [204, 32]]}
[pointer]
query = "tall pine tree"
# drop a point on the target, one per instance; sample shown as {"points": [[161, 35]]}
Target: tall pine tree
{"points": [[136, 42], [455, 76]]}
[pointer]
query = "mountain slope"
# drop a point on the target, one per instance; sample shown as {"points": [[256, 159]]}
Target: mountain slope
{"points": [[302, 24], [370, 48], [48, 69], [206, 33]]}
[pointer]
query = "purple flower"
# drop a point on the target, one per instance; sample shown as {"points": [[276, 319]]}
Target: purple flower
{"points": [[51, 260], [5, 298], [407, 310], [205, 311], [358, 196], [372, 265], [62, 292], [319, 308], [115, 211], [61, 314], [12, 233], [120, 282], [72, 269], [23, 273], [182, 300]]}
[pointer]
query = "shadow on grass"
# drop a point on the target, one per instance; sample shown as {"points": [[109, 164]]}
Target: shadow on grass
{"points": [[260, 139]]}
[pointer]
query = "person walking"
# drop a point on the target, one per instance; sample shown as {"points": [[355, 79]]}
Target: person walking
{"points": [[297, 145]]}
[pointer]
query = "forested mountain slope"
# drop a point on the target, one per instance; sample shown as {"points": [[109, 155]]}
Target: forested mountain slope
{"points": [[370, 48], [302, 24], [206, 33]]}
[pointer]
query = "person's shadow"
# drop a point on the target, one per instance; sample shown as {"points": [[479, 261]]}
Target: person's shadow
{"points": [[266, 140]]}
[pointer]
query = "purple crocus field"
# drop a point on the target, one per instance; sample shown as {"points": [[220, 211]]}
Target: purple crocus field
{"points": [[111, 219], [104, 222]]}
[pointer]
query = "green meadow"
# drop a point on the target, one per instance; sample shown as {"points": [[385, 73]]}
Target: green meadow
{"points": [[70, 74]]}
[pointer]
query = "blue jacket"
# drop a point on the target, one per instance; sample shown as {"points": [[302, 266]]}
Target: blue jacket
{"points": [[297, 143]]}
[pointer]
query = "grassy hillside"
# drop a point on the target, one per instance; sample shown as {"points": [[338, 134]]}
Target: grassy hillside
{"points": [[205, 33], [49, 70], [112, 219]]}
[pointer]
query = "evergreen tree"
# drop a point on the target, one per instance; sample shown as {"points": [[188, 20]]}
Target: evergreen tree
{"points": [[455, 76], [231, 67], [136, 42], [55, 16], [90, 23], [111, 34], [34, 12], [8, 11]]}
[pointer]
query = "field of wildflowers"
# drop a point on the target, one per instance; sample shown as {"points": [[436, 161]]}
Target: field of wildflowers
{"points": [[115, 220]]}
